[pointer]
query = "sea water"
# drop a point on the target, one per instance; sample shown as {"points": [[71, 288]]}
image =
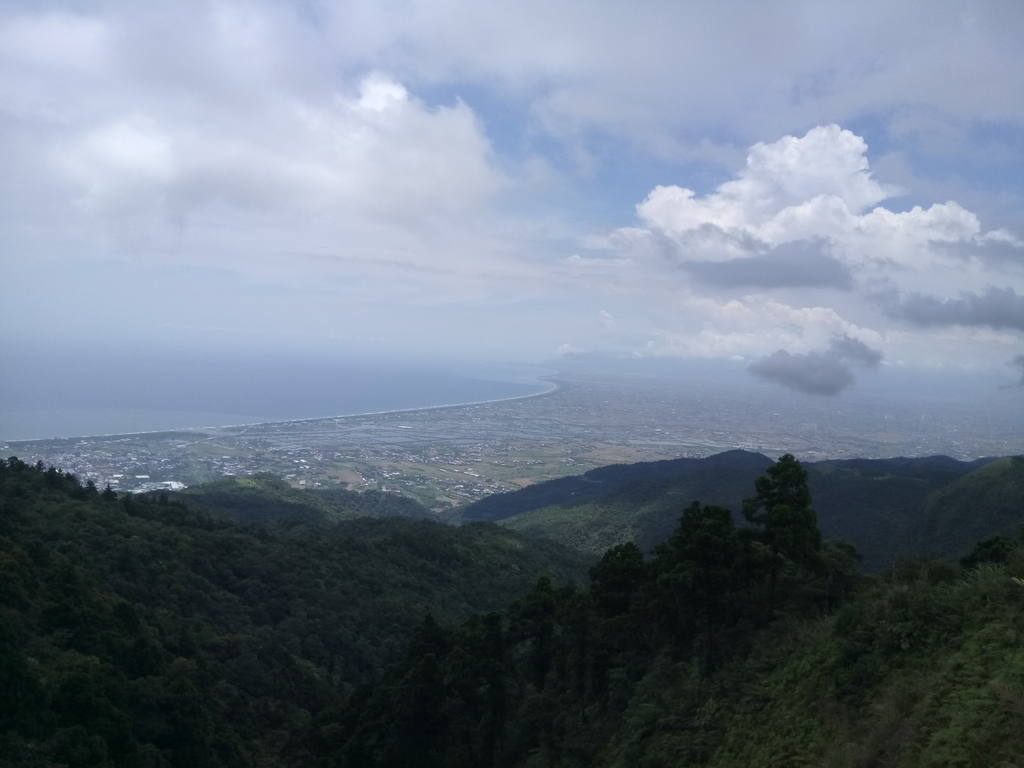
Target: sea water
{"points": [[94, 394]]}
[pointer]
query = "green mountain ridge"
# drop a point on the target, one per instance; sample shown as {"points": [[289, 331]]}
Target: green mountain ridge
{"points": [[644, 510], [882, 506], [600, 481]]}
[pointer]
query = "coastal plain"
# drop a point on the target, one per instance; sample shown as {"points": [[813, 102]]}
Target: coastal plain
{"points": [[450, 456]]}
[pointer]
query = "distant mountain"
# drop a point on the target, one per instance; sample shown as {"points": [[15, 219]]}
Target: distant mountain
{"points": [[879, 505], [601, 481]]}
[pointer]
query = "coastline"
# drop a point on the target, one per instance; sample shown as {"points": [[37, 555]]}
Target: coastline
{"points": [[554, 387]]}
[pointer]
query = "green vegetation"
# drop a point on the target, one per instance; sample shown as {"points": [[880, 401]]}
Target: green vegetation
{"points": [[264, 497], [375, 503], [730, 647], [879, 504], [984, 503], [642, 509], [888, 508], [922, 668], [136, 631], [726, 472]]}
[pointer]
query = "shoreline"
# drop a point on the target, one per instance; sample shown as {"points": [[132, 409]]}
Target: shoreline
{"points": [[554, 387]]}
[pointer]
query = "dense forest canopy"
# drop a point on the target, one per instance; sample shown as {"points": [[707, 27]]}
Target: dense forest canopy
{"points": [[730, 646], [888, 508], [267, 498], [137, 631]]}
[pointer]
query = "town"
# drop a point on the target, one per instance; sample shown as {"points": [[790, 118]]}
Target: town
{"points": [[451, 456]]}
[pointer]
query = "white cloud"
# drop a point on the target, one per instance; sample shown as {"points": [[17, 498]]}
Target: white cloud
{"points": [[431, 168], [115, 163], [577, 262], [378, 93], [55, 39], [567, 349], [382, 154], [668, 76], [818, 194], [818, 187], [788, 186], [757, 325]]}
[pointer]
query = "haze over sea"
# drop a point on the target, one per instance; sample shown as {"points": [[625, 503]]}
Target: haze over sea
{"points": [[85, 394]]}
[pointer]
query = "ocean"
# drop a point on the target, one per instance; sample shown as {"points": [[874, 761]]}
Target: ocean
{"points": [[87, 395]]}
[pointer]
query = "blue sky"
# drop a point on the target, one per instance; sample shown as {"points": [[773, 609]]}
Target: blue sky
{"points": [[817, 189]]}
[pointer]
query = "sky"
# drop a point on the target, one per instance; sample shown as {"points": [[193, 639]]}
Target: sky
{"points": [[821, 191]]}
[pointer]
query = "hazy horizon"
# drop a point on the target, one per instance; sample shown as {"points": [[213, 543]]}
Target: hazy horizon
{"points": [[62, 393]]}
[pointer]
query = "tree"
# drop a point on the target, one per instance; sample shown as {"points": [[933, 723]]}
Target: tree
{"points": [[697, 566], [790, 526], [532, 619], [995, 549], [616, 578]]}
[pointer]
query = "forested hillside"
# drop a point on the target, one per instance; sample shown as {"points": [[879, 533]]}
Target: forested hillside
{"points": [[984, 503], [137, 631], [730, 647], [375, 503], [881, 505], [264, 497], [601, 481], [888, 508], [644, 510]]}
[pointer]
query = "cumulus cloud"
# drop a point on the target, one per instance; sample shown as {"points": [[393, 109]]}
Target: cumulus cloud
{"points": [[816, 188], [813, 373], [798, 264], [567, 349], [996, 308], [752, 327], [791, 183], [382, 153], [818, 373], [998, 248], [806, 213], [855, 351], [420, 158]]}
